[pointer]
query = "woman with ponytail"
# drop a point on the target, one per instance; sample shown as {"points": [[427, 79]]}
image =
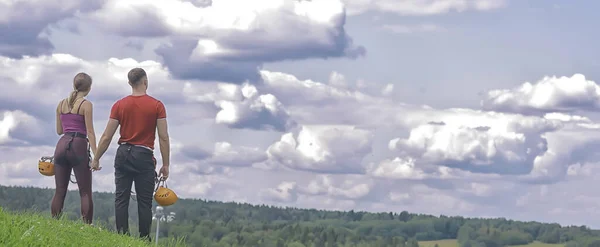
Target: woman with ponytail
{"points": [[74, 121]]}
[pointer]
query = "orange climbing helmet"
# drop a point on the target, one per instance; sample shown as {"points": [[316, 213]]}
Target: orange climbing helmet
{"points": [[163, 195], [46, 165]]}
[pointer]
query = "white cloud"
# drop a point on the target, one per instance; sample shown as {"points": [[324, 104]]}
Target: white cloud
{"points": [[349, 187], [285, 192], [185, 18], [254, 111], [388, 89], [18, 128], [337, 80], [7, 124], [482, 149], [30, 18], [222, 154], [229, 40], [337, 149], [398, 168], [421, 7], [241, 106], [568, 147], [13, 11], [227, 155], [288, 87], [550, 94], [47, 79], [336, 102]]}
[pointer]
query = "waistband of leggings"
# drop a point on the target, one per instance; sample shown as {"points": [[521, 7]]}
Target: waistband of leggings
{"points": [[75, 134]]}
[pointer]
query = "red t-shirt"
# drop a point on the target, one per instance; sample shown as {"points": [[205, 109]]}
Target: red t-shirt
{"points": [[137, 116]]}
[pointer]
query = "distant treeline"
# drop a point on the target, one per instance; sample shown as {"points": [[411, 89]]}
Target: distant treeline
{"points": [[211, 223]]}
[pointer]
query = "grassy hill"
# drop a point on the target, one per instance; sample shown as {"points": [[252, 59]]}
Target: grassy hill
{"points": [[32, 230]]}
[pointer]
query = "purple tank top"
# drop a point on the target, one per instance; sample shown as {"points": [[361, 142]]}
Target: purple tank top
{"points": [[73, 122]]}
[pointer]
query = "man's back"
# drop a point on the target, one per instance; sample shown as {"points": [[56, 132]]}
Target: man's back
{"points": [[137, 117], [140, 117]]}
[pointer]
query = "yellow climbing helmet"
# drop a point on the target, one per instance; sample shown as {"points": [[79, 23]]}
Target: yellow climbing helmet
{"points": [[46, 165], [163, 195]]}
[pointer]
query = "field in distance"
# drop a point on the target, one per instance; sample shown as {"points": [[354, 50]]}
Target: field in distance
{"points": [[454, 243]]}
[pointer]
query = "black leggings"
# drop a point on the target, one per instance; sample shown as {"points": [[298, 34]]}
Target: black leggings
{"points": [[72, 153]]}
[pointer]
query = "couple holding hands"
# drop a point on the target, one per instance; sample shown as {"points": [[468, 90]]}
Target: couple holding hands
{"points": [[139, 116]]}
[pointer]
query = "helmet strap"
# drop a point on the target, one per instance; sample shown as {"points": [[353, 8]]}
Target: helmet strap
{"points": [[159, 183]]}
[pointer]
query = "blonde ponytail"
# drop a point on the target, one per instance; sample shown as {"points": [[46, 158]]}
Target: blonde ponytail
{"points": [[72, 98]]}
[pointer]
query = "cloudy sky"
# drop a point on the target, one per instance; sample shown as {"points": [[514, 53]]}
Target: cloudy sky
{"points": [[456, 107]]}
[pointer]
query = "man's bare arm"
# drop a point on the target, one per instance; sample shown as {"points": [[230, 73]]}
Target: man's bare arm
{"points": [[109, 132], [163, 140]]}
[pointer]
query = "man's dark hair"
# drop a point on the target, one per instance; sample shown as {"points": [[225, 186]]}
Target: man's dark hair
{"points": [[136, 75]]}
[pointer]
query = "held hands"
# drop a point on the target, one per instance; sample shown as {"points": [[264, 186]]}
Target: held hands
{"points": [[95, 166]]}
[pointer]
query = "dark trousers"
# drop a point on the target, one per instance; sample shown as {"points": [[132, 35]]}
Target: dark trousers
{"points": [[72, 153], [134, 164]]}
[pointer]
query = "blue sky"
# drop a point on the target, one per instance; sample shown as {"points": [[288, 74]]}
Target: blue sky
{"points": [[384, 106], [476, 51]]}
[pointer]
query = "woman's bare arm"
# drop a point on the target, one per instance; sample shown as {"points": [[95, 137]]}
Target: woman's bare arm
{"points": [[88, 114], [59, 129]]}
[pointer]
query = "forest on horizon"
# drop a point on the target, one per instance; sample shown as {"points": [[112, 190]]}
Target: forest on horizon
{"points": [[213, 223]]}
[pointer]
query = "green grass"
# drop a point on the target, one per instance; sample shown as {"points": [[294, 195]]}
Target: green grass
{"points": [[32, 230], [539, 244], [441, 243], [454, 243]]}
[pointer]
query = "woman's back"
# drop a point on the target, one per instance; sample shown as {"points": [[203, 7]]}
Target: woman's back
{"points": [[72, 152], [73, 119]]}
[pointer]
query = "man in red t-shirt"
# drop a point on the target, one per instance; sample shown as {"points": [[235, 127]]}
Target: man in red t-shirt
{"points": [[139, 116]]}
